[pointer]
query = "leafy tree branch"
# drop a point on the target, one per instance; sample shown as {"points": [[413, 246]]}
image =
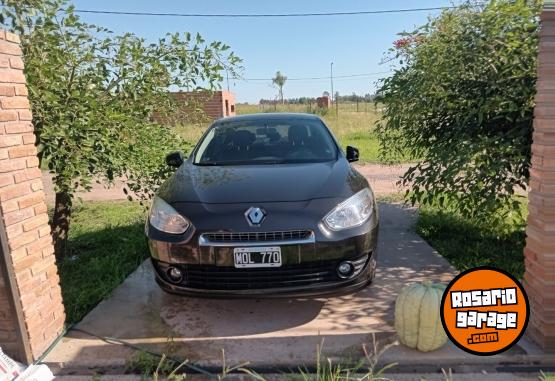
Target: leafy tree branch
{"points": [[93, 95], [460, 103]]}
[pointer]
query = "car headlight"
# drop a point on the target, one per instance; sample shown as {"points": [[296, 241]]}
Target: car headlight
{"points": [[165, 218], [352, 212]]}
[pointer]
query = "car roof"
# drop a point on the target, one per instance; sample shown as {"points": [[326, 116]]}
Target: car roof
{"points": [[267, 116]]}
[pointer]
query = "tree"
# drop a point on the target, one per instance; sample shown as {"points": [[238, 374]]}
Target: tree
{"points": [[279, 80], [461, 105], [93, 94]]}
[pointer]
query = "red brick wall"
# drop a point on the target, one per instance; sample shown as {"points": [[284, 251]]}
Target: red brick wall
{"points": [[323, 102], [539, 278], [214, 106], [9, 339], [22, 204]]}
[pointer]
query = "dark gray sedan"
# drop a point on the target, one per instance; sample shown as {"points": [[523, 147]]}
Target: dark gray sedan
{"points": [[266, 205]]}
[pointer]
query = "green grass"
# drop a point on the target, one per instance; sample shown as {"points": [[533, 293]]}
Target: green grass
{"points": [[391, 198], [106, 243], [466, 243], [349, 126], [366, 142]]}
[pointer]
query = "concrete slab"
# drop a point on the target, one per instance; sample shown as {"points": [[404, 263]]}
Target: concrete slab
{"points": [[268, 333], [282, 377]]}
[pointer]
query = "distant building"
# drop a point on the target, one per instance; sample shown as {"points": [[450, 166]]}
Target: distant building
{"points": [[323, 102], [222, 103], [214, 105]]}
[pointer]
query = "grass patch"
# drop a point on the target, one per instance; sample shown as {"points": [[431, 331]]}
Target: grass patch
{"points": [[106, 244], [391, 198], [466, 243], [191, 133], [153, 366], [351, 127], [366, 142]]}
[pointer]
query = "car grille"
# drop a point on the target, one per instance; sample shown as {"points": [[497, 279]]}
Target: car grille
{"points": [[291, 235], [208, 277], [226, 278]]}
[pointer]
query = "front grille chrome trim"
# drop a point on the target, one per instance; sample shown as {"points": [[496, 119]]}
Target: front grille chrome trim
{"points": [[204, 240]]}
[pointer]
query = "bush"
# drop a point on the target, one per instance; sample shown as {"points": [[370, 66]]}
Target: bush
{"points": [[461, 105], [94, 95]]}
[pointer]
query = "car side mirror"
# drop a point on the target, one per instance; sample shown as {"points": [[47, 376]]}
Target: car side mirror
{"points": [[352, 154], [175, 159]]}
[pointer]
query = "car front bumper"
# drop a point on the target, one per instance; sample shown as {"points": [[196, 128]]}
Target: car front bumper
{"points": [[309, 266], [317, 289]]}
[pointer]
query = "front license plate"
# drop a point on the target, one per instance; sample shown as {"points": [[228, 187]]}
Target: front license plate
{"points": [[257, 257]]}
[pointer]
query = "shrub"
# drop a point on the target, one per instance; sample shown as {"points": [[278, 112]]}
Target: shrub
{"points": [[93, 95], [460, 104]]}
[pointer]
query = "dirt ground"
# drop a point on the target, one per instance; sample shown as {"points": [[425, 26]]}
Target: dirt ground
{"points": [[382, 179]]}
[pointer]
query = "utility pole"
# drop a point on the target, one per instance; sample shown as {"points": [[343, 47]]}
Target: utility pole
{"points": [[227, 76], [331, 79]]}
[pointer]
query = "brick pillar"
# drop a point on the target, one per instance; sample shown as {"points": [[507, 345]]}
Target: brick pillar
{"points": [[10, 336], [31, 309], [539, 278]]}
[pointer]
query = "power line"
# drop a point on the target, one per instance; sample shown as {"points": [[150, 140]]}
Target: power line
{"points": [[260, 15], [317, 78]]}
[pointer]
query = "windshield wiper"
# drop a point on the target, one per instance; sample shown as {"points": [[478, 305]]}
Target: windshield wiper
{"points": [[242, 162], [270, 162], [209, 163]]}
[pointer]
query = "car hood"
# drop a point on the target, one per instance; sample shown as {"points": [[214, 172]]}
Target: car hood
{"points": [[261, 183]]}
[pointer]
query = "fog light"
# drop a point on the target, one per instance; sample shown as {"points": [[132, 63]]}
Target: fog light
{"points": [[175, 275], [345, 269]]}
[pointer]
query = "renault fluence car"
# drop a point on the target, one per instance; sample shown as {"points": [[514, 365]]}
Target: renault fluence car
{"points": [[266, 205]]}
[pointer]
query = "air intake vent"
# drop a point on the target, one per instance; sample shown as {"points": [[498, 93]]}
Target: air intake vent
{"points": [[292, 235]]}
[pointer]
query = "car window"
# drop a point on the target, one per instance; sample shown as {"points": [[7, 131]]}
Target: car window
{"points": [[266, 142]]}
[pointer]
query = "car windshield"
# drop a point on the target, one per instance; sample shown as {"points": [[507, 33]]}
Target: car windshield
{"points": [[266, 142]]}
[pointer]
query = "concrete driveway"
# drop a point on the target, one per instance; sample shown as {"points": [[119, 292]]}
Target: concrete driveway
{"points": [[269, 333]]}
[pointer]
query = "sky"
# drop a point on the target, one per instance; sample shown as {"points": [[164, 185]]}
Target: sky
{"points": [[299, 47]]}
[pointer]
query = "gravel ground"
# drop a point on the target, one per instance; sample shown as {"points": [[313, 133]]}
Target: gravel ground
{"points": [[382, 178]]}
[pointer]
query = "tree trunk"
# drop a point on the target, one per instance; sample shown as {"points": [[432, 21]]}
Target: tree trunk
{"points": [[60, 223]]}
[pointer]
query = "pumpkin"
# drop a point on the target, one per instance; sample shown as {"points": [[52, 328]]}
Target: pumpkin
{"points": [[417, 319]]}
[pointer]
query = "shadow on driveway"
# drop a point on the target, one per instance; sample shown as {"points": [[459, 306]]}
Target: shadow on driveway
{"points": [[266, 332]]}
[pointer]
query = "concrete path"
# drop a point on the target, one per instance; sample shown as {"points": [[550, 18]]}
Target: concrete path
{"points": [[382, 179], [282, 377], [269, 333]]}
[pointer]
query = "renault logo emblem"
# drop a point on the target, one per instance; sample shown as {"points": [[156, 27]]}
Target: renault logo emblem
{"points": [[255, 215]]}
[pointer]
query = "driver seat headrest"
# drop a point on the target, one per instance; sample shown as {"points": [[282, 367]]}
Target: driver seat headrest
{"points": [[298, 135], [243, 138]]}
